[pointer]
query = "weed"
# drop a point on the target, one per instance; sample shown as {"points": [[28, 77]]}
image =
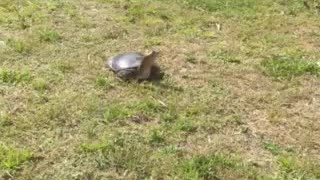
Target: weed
{"points": [[19, 46], [294, 8], [123, 152], [186, 125], [5, 119], [287, 163], [147, 105], [93, 147], [56, 111], [11, 158], [225, 56], [225, 6], [116, 112], [48, 35], [24, 13], [288, 67], [13, 77], [114, 33], [119, 111], [135, 11], [155, 27], [40, 84], [191, 58], [102, 82], [292, 167], [171, 149], [64, 67], [153, 41], [169, 117], [273, 148], [83, 22], [156, 137], [204, 167]]}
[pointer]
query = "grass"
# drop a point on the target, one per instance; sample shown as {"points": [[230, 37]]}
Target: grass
{"points": [[49, 35], [116, 112], [228, 6], [273, 148], [119, 111], [102, 81], [239, 98], [13, 77], [40, 84], [19, 46], [156, 137], [11, 158], [206, 167], [288, 67], [225, 56], [293, 167]]}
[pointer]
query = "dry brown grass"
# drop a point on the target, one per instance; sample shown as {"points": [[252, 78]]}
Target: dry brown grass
{"points": [[218, 113]]}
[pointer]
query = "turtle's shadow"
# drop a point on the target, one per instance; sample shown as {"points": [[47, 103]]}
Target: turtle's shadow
{"points": [[157, 82], [156, 75], [166, 86], [157, 79], [160, 82]]}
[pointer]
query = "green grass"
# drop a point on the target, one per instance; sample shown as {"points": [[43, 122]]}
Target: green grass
{"points": [[11, 158], [225, 6], [93, 147], [225, 56], [102, 81], [205, 167], [239, 98], [156, 137], [40, 84], [116, 112], [49, 35], [273, 148], [289, 67], [294, 168], [19, 46], [13, 77], [120, 111], [121, 151]]}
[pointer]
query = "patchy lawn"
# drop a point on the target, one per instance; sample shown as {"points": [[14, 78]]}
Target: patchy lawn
{"points": [[240, 98]]}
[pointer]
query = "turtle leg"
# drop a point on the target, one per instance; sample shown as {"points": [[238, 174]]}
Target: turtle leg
{"points": [[127, 74]]}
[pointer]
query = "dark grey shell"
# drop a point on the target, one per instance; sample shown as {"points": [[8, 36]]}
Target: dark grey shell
{"points": [[130, 60]]}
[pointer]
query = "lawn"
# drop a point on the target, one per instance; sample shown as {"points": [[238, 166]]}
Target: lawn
{"points": [[240, 98]]}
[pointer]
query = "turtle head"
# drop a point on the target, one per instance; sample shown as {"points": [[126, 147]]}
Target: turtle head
{"points": [[154, 54], [147, 63], [151, 58]]}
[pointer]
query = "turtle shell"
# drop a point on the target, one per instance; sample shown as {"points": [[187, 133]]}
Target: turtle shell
{"points": [[130, 60]]}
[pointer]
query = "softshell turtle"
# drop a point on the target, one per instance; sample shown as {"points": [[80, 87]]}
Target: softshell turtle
{"points": [[135, 65]]}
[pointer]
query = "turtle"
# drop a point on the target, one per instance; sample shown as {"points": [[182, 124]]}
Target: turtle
{"points": [[135, 65]]}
